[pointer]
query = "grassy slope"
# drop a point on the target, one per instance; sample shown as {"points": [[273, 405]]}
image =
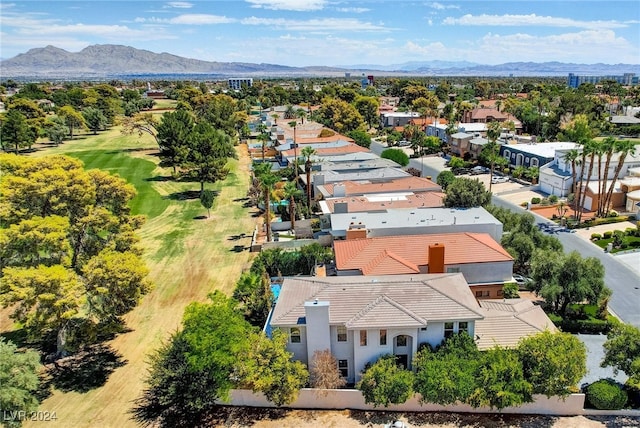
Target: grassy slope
{"points": [[188, 258]]}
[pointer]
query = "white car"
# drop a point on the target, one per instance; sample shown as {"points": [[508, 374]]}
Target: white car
{"points": [[498, 179]]}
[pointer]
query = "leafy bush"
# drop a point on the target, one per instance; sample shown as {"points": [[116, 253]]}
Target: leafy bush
{"points": [[613, 214], [535, 200], [596, 236], [608, 234], [553, 199], [396, 155], [544, 201], [510, 290], [630, 231], [606, 394]]}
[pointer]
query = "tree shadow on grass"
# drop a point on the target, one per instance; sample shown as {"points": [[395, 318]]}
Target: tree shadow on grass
{"points": [[188, 195], [238, 248], [200, 217], [159, 178], [86, 370]]}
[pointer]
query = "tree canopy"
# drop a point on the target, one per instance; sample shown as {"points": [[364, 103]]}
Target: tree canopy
{"points": [[20, 382], [69, 249], [396, 155], [384, 383], [622, 352], [466, 193]]}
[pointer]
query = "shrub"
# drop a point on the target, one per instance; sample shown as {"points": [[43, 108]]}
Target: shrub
{"points": [[613, 214], [630, 231], [605, 394], [535, 200], [553, 199], [607, 235], [544, 201], [596, 236]]}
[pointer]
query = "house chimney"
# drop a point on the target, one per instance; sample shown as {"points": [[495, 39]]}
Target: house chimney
{"points": [[356, 231], [436, 258]]}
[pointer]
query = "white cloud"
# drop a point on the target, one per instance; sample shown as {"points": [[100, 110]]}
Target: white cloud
{"points": [[323, 25], [601, 45], [440, 6], [294, 5], [528, 20], [353, 9], [200, 19], [179, 5], [188, 19]]}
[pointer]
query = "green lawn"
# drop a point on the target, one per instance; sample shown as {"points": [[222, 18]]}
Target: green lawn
{"points": [[633, 242], [188, 255], [137, 171]]}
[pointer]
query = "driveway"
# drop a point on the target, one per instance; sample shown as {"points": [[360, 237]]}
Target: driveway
{"points": [[595, 355]]}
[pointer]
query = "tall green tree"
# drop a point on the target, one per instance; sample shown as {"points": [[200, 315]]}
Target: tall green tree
{"points": [[172, 135], [71, 251], [465, 192], [339, 115], [95, 119], [72, 118], [308, 152], [291, 191], [206, 199], [253, 293], [445, 178], [56, 130], [368, 108], [564, 279], [624, 148], [267, 180], [20, 382], [208, 153], [15, 131]]}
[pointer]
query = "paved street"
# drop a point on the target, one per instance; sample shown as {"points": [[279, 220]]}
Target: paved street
{"points": [[621, 276]]}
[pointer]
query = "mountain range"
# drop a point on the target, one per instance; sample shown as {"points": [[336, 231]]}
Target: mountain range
{"points": [[117, 61]]}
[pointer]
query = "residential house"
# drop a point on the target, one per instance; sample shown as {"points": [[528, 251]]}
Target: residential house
{"points": [[393, 119], [532, 155], [416, 221], [487, 115], [485, 265], [390, 183], [360, 318], [381, 202]]}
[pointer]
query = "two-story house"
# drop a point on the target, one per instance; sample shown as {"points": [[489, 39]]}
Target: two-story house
{"points": [[362, 318]]}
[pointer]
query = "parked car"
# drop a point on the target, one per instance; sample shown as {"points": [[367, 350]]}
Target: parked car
{"points": [[522, 281], [496, 180], [404, 143], [477, 170], [461, 171]]}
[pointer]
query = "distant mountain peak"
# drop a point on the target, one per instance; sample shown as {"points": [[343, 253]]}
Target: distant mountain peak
{"points": [[118, 60]]}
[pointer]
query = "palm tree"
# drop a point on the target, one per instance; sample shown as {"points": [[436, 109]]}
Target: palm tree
{"points": [[307, 152], [608, 146], [301, 114], [590, 148], [625, 148], [290, 193], [573, 157], [294, 125], [493, 132], [267, 180]]}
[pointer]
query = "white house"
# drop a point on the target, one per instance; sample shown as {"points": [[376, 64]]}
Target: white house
{"points": [[361, 318]]}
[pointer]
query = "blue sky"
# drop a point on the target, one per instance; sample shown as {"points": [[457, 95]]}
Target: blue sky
{"points": [[331, 33]]}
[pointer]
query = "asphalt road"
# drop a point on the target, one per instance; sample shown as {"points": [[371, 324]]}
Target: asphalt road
{"points": [[620, 278]]}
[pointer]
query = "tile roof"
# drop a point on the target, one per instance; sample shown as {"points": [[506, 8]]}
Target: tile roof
{"points": [[409, 183], [507, 321], [370, 302], [381, 202], [332, 151], [389, 255]]}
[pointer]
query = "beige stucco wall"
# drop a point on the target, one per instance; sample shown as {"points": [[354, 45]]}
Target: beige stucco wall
{"points": [[353, 399]]}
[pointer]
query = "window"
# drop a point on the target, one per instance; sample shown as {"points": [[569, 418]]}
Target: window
{"points": [[535, 162], [342, 333], [500, 292], [363, 337], [478, 293], [448, 329], [343, 367], [383, 337], [294, 335], [401, 340], [482, 293], [453, 270], [507, 154], [463, 326]]}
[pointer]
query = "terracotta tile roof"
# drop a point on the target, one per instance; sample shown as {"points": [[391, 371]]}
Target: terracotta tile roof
{"points": [[350, 148], [370, 302], [393, 255], [411, 183], [384, 202], [507, 321]]}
